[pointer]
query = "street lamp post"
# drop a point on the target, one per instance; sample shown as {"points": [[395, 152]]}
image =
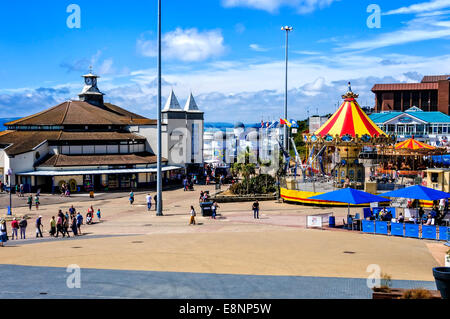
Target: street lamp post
{"points": [[159, 160], [10, 172], [285, 136]]}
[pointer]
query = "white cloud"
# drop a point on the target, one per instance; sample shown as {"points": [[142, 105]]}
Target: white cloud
{"points": [[272, 6], [421, 7], [187, 45], [418, 29], [257, 48]]}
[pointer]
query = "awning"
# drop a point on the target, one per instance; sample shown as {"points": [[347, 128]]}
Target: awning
{"points": [[98, 172]]}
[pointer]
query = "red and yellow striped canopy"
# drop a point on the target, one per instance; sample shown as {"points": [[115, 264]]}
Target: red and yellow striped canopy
{"points": [[351, 120], [412, 144]]}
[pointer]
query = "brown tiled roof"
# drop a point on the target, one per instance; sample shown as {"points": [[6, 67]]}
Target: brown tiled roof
{"points": [[95, 160], [405, 86], [434, 78], [83, 113], [22, 142], [25, 141]]}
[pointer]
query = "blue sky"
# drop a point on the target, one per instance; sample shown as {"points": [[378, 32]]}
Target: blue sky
{"points": [[229, 53]]}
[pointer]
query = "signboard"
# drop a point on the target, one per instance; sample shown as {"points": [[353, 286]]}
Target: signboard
{"points": [[412, 230], [405, 119], [428, 232], [397, 229], [368, 226], [443, 233], [314, 221], [381, 228]]}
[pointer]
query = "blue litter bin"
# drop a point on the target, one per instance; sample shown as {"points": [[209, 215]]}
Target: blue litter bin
{"points": [[9, 213], [332, 222]]}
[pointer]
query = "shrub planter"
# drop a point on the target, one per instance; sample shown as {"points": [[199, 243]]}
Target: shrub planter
{"points": [[397, 293], [442, 278]]}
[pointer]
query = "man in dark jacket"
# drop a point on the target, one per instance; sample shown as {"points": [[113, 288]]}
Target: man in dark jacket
{"points": [[23, 228], [38, 227]]}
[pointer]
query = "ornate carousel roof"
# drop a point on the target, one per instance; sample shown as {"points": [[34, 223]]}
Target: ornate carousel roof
{"points": [[412, 144], [350, 120]]}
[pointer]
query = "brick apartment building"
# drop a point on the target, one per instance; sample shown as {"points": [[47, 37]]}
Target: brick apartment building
{"points": [[432, 94]]}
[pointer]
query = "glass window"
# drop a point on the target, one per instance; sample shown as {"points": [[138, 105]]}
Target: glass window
{"points": [[406, 100], [391, 128], [415, 98], [397, 101]]}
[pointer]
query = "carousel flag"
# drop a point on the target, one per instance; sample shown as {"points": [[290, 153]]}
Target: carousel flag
{"points": [[285, 122], [294, 124], [273, 124]]}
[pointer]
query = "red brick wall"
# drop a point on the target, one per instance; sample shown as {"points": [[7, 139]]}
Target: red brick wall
{"points": [[388, 101], [444, 97]]}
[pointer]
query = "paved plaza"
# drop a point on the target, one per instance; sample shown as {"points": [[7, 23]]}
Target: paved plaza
{"points": [[132, 253]]}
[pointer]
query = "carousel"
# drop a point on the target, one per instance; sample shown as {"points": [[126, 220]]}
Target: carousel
{"points": [[334, 151], [408, 159]]}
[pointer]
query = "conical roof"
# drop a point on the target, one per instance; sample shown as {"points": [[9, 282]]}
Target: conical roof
{"points": [[191, 105], [412, 144], [172, 103], [350, 119]]}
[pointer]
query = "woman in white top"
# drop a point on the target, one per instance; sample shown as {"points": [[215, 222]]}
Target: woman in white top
{"points": [[193, 214]]}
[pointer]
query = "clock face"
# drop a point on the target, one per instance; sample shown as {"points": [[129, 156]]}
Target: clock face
{"points": [[94, 81], [88, 81]]}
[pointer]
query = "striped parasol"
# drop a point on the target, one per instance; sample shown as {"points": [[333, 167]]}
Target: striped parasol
{"points": [[412, 144], [350, 119]]}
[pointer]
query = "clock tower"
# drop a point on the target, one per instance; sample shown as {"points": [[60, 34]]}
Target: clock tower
{"points": [[91, 94]]}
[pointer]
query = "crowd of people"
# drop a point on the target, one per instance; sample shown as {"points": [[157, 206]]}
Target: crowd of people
{"points": [[61, 224]]}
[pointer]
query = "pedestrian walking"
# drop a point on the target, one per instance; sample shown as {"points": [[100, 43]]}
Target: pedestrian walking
{"points": [[15, 229], [131, 198], [193, 214], [59, 224], [255, 208], [149, 202], [36, 201], [3, 233], [23, 227], [79, 222], [72, 211], [53, 226], [214, 209], [66, 226], [30, 201], [99, 214], [74, 226], [38, 227]]}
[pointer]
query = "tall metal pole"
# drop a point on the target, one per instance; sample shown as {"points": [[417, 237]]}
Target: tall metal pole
{"points": [[285, 136], [159, 155]]}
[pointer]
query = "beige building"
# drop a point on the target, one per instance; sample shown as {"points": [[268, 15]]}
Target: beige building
{"points": [[90, 144]]}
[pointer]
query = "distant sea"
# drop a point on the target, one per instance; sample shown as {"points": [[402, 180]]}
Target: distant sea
{"points": [[6, 120]]}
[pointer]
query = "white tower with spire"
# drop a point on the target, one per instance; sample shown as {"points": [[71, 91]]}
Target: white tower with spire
{"points": [[184, 134]]}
